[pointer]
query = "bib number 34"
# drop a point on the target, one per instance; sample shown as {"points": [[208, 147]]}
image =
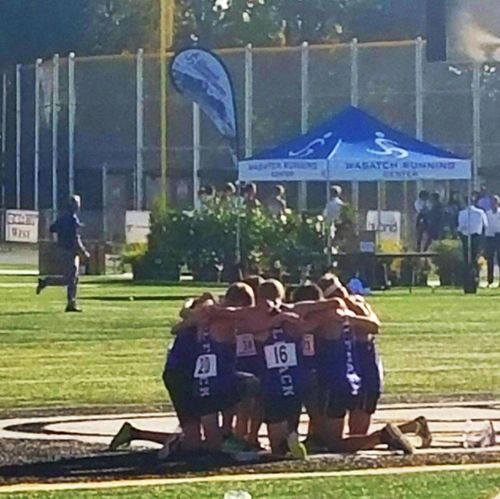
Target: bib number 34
{"points": [[280, 355]]}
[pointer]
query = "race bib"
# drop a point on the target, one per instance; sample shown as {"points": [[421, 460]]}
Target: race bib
{"points": [[280, 355], [245, 345], [206, 366], [308, 347]]}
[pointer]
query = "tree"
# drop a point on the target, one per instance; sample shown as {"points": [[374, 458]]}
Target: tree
{"points": [[39, 28], [229, 23]]}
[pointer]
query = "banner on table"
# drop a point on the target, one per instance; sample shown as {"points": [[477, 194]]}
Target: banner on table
{"points": [[137, 226], [21, 226], [388, 225], [202, 77]]}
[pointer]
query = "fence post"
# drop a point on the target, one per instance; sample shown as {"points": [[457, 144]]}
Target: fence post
{"points": [[18, 136], [196, 155], [104, 187], [304, 113], [36, 162], [3, 136], [419, 123], [55, 130], [355, 102], [476, 122], [248, 100], [139, 172], [71, 123]]}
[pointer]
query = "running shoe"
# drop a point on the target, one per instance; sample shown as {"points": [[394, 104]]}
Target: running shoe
{"points": [[395, 440], [73, 308], [41, 286], [297, 449], [123, 437], [423, 432]]}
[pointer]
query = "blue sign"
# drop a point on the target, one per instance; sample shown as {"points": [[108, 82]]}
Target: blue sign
{"points": [[202, 77]]}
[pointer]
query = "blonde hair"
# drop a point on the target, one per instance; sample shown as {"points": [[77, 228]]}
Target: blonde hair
{"points": [[272, 290], [239, 294]]}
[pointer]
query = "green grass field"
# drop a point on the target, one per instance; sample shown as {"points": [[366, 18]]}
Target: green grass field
{"points": [[456, 485], [441, 344]]}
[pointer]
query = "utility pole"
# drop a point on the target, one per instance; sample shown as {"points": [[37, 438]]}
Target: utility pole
{"points": [[166, 39]]}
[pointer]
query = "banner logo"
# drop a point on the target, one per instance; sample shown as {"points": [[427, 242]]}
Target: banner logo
{"points": [[311, 147], [388, 147], [202, 77]]}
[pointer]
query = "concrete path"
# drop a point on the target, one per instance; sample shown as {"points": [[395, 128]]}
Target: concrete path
{"points": [[447, 423]]}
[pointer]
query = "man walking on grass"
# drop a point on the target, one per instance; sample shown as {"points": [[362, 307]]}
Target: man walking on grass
{"points": [[70, 248]]}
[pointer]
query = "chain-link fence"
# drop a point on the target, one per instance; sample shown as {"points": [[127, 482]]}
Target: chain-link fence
{"points": [[92, 125]]}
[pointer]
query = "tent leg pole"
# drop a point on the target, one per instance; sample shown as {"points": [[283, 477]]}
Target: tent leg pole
{"points": [[238, 226], [379, 214], [469, 236], [328, 227]]}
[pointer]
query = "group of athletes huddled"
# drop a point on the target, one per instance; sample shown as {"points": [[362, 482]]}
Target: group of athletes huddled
{"points": [[260, 355]]}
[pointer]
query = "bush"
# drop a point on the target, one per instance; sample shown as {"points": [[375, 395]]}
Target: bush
{"points": [[449, 262], [206, 242]]}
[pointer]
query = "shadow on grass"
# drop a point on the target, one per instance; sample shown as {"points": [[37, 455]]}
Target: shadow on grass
{"points": [[130, 298], [105, 281], [25, 313], [117, 465]]}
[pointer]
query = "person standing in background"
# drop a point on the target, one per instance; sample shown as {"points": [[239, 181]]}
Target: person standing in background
{"points": [[208, 198], [250, 196], [493, 238], [277, 204], [484, 201], [333, 209], [472, 222], [228, 198], [435, 219], [70, 246], [422, 207], [451, 214]]}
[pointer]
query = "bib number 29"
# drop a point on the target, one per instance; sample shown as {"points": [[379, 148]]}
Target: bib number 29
{"points": [[206, 366], [280, 355]]}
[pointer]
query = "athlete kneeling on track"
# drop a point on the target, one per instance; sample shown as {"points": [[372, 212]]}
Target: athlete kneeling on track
{"points": [[350, 356], [200, 376]]}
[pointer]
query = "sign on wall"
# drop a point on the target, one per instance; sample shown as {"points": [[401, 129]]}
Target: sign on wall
{"points": [[389, 225], [137, 226], [21, 226]]}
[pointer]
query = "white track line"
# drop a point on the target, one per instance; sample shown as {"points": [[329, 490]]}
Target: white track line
{"points": [[156, 482]]}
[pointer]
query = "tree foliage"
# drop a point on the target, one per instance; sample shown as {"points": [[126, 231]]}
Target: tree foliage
{"points": [[40, 28]]}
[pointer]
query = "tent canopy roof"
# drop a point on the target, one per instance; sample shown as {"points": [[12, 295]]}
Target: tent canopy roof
{"points": [[355, 146]]}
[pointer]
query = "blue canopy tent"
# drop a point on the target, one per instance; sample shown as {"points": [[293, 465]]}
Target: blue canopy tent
{"points": [[354, 146]]}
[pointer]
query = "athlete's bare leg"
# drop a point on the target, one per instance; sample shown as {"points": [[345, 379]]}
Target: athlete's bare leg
{"points": [[359, 422], [227, 421], [278, 435], [213, 434], [390, 435], [243, 413], [256, 419]]}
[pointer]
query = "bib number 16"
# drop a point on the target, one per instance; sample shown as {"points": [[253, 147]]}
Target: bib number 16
{"points": [[280, 355]]}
